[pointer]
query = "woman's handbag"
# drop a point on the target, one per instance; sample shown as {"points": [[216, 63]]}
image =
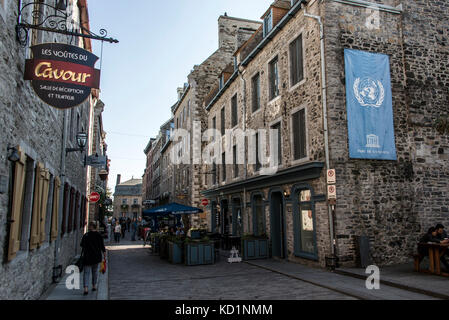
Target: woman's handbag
{"points": [[103, 266], [80, 262]]}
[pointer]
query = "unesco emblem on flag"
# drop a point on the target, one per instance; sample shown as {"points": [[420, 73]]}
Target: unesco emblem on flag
{"points": [[369, 92]]}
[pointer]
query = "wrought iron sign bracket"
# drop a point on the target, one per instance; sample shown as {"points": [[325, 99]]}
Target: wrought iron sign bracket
{"points": [[56, 20]]}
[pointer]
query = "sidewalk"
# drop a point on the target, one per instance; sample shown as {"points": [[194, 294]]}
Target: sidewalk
{"points": [[403, 276], [352, 286], [59, 291]]}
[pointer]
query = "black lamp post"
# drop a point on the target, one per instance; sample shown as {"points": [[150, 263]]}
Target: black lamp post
{"points": [[61, 5], [81, 140]]}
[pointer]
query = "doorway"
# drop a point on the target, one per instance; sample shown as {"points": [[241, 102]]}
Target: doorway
{"points": [[277, 225]]}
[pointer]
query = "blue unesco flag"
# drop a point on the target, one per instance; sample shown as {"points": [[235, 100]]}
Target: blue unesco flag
{"points": [[369, 106]]}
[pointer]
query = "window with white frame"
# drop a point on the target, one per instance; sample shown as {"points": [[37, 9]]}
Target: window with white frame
{"points": [[268, 23]]}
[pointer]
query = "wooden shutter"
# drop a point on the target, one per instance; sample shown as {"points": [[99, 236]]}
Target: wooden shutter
{"points": [[37, 201], [55, 210], [17, 200], [44, 204]]}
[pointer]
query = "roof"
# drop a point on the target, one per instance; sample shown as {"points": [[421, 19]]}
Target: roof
{"points": [[260, 45], [131, 182], [131, 187]]}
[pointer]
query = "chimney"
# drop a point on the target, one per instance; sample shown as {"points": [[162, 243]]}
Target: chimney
{"points": [[180, 93], [119, 176]]}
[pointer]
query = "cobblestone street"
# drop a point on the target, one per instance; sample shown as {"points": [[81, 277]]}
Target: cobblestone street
{"points": [[136, 274]]}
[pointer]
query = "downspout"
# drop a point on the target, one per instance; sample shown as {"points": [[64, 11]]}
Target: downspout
{"points": [[325, 125], [245, 169]]}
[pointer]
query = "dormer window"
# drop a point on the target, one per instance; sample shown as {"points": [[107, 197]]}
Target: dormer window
{"points": [[268, 23], [221, 84]]}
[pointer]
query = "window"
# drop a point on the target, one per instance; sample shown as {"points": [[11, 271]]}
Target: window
{"points": [[296, 61], [306, 223], [135, 201], [258, 165], [276, 142], [255, 88], [214, 125], [236, 165], [188, 109], [274, 78], [223, 121], [124, 201], [223, 165], [214, 173], [268, 23], [221, 82], [64, 208], [234, 111], [299, 135]]}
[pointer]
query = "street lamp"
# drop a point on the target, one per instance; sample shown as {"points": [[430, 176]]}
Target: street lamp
{"points": [[13, 154], [81, 140], [61, 5]]}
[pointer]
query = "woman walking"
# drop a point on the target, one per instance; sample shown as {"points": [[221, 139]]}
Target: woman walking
{"points": [[93, 245]]}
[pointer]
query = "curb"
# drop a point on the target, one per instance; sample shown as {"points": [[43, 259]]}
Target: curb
{"points": [[397, 285]]}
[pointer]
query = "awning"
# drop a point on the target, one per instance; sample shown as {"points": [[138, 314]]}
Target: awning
{"points": [[172, 208]]}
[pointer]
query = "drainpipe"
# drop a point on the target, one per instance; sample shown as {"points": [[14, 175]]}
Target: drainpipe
{"points": [[326, 133], [245, 169]]}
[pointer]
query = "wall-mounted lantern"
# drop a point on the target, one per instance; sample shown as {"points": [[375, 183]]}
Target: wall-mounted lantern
{"points": [[81, 140]]}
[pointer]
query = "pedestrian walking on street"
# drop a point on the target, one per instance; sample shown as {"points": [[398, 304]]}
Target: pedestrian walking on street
{"points": [[128, 224], [123, 227], [133, 229], [117, 232], [93, 247]]}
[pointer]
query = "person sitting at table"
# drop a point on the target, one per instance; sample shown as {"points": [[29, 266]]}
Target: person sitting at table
{"points": [[431, 236], [441, 234], [179, 232]]}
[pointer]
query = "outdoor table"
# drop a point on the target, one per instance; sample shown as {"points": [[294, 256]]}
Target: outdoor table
{"points": [[436, 251]]}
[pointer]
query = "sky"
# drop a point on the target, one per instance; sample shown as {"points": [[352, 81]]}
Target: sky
{"points": [[160, 42]]}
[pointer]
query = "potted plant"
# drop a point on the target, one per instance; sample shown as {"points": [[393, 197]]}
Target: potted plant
{"points": [[254, 247]]}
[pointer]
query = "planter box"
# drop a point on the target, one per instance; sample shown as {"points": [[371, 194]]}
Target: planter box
{"points": [[175, 252], [199, 253], [254, 249]]}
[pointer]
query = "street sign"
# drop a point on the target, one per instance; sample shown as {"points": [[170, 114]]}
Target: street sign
{"points": [[331, 192], [204, 202], [96, 161], [94, 197], [331, 176]]}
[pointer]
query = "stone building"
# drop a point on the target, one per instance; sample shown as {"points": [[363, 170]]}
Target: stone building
{"points": [[98, 181], [147, 179], [278, 83], [166, 167], [43, 189], [128, 198], [190, 115]]}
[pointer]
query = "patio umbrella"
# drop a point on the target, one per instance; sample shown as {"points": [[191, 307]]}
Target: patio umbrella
{"points": [[172, 208]]}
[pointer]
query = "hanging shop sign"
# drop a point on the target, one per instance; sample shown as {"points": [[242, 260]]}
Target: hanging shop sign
{"points": [[369, 105], [62, 75], [96, 161]]}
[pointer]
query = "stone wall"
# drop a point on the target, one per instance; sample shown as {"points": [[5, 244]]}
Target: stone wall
{"points": [[392, 202], [38, 129]]}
